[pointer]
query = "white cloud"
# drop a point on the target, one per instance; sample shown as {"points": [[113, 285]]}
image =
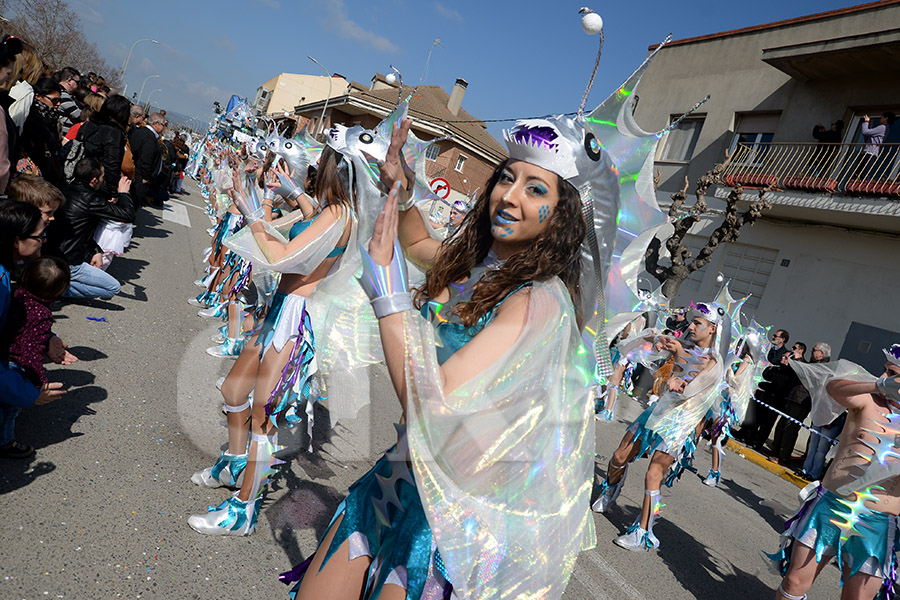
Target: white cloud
{"points": [[148, 66], [221, 40], [448, 13], [206, 93], [338, 21], [88, 14]]}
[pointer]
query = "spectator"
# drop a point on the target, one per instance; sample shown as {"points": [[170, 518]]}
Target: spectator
{"points": [[137, 118], [873, 138], [9, 48], [92, 104], [817, 450], [71, 237], [797, 406], [169, 157], [69, 110], [826, 150], [181, 160], [39, 193], [104, 139], [21, 238], [148, 164], [29, 68], [40, 136], [756, 432]]}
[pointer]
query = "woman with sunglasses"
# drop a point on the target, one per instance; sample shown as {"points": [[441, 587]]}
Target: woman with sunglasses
{"points": [[40, 137], [21, 238]]}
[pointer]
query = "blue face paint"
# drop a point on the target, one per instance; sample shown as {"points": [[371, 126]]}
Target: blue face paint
{"points": [[543, 213]]}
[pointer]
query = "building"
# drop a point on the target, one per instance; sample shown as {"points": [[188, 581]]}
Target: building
{"points": [[824, 263], [465, 160], [283, 92]]}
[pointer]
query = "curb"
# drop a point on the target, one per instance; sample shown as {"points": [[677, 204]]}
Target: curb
{"points": [[761, 461]]}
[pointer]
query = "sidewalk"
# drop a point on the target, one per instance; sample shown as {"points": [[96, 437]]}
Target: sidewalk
{"points": [[760, 460]]}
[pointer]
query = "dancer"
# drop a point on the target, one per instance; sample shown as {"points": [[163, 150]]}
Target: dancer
{"points": [[663, 430], [851, 516], [279, 363]]}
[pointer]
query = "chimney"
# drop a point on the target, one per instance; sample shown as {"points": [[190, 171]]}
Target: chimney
{"points": [[456, 96]]}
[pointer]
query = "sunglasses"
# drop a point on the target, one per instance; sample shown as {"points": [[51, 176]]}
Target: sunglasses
{"points": [[42, 236]]}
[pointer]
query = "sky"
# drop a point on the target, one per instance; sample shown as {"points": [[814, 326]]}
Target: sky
{"points": [[521, 58]]}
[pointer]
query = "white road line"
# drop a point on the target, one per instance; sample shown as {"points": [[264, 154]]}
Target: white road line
{"points": [[610, 573], [176, 213], [593, 587], [183, 203]]}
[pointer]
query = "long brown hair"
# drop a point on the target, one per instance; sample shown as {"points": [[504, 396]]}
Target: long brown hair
{"points": [[332, 182], [555, 252]]}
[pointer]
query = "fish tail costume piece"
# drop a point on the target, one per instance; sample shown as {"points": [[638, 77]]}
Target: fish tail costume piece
{"points": [[501, 468], [838, 524], [858, 538]]}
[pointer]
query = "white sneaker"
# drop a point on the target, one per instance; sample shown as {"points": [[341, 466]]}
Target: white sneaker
{"points": [[195, 302], [637, 540], [213, 312], [232, 517], [712, 480]]}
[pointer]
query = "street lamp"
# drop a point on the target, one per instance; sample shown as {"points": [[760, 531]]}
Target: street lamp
{"points": [[128, 58], [151, 95], [324, 106], [141, 93]]}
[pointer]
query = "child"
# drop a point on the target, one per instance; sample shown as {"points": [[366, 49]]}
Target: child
{"points": [[38, 192], [26, 339]]}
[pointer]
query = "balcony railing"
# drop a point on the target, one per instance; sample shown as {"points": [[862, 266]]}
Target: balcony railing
{"points": [[822, 168]]}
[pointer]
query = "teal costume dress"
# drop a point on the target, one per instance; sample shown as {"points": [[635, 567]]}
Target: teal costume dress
{"points": [[383, 516]]}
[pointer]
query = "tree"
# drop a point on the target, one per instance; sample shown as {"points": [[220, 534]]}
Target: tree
{"points": [[681, 265], [55, 32]]}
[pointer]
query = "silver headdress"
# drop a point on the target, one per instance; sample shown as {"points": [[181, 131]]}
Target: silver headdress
{"points": [[608, 158], [892, 354]]}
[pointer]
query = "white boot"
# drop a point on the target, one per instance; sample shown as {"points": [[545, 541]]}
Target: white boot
{"points": [[609, 493]]}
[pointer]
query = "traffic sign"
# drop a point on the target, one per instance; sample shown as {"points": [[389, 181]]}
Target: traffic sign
{"points": [[440, 187]]}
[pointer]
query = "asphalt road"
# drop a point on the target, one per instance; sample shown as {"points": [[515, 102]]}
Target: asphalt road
{"points": [[101, 511]]}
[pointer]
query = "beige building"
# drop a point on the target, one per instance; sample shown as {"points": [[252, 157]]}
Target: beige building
{"points": [[283, 92], [465, 161], [824, 263]]}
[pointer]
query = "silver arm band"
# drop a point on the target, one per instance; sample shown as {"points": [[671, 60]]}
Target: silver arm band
{"points": [[386, 287], [889, 387]]}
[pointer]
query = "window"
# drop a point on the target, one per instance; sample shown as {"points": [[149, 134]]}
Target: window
{"points": [[264, 94], [681, 141], [432, 152], [754, 131], [460, 162]]}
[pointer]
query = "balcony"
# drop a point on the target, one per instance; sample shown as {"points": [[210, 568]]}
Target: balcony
{"points": [[834, 184], [811, 167]]}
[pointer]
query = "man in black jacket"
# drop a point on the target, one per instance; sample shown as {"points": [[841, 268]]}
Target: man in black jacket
{"points": [[71, 235], [147, 160]]}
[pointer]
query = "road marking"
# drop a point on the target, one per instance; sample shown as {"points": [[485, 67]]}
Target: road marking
{"points": [[614, 576], [176, 213], [183, 203], [594, 587]]}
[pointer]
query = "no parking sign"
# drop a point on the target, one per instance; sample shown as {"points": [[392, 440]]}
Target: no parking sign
{"points": [[440, 187]]}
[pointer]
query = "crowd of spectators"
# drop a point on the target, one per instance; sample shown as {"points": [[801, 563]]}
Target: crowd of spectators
{"points": [[782, 391], [77, 161]]}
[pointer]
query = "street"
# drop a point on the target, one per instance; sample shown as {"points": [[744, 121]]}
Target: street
{"points": [[101, 511]]}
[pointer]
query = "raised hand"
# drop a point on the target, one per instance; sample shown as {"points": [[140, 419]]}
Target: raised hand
{"points": [[381, 246], [394, 167]]}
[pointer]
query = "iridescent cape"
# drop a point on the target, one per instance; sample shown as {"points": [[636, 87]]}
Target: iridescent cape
{"points": [[504, 463], [815, 376], [304, 260]]}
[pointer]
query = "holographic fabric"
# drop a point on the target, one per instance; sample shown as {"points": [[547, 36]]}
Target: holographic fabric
{"points": [[817, 524], [815, 376], [504, 463], [303, 260]]}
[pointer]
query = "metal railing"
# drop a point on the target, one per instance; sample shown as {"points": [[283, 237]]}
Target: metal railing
{"points": [[850, 169]]}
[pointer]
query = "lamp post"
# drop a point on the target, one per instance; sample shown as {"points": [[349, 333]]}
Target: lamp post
{"points": [[327, 98], [141, 93], [128, 58], [151, 95]]}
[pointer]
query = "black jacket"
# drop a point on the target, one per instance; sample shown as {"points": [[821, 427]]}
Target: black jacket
{"points": [[71, 235], [147, 155], [40, 142], [106, 143]]}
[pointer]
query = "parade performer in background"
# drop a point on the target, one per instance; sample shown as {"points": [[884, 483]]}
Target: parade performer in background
{"points": [[663, 429], [278, 364], [492, 468], [851, 516]]}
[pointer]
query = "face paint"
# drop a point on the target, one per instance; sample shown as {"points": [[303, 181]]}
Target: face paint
{"points": [[543, 213]]}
